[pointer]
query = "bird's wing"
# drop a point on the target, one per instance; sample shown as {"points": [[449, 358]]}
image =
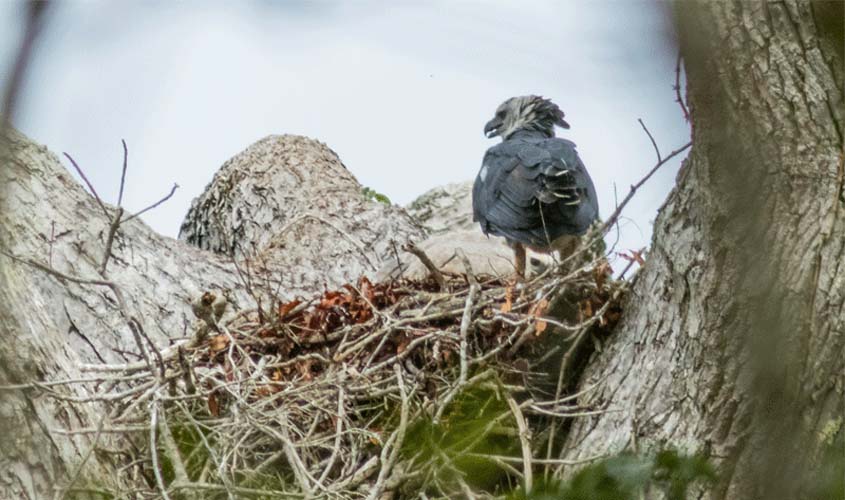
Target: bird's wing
{"points": [[534, 191]]}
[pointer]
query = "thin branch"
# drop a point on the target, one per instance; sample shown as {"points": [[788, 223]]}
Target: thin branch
{"points": [[394, 444], [59, 274], [134, 325], [540, 461], [61, 492], [154, 453], [525, 441], [359, 245], [123, 173], [677, 88], [651, 138], [420, 254], [248, 492], [338, 436], [615, 215], [90, 186], [466, 318], [172, 451], [115, 223], [159, 202]]}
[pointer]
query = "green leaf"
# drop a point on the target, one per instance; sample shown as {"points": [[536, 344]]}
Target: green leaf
{"points": [[373, 195]]}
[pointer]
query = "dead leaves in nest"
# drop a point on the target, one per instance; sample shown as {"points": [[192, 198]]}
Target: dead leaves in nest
{"points": [[218, 343], [287, 307], [510, 295], [538, 310], [305, 331], [590, 306], [337, 308], [213, 405]]}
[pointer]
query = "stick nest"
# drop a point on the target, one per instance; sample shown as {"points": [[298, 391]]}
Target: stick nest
{"points": [[378, 390]]}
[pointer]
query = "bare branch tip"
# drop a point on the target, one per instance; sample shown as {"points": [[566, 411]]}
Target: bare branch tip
{"points": [[88, 183], [123, 172]]}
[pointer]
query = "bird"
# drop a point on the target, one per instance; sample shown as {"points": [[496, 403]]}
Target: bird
{"points": [[532, 188]]}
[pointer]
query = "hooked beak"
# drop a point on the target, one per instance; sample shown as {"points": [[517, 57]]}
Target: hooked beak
{"points": [[492, 128]]}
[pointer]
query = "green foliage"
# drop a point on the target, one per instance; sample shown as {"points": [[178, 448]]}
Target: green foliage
{"points": [[195, 457], [476, 423], [373, 195], [627, 476], [191, 449], [478, 426], [828, 480]]}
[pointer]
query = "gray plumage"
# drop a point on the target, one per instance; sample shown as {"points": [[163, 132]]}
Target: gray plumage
{"points": [[532, 188]]}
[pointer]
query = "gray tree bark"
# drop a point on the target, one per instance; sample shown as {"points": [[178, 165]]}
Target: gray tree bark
{"points": [[733, 339], [287, 203]]}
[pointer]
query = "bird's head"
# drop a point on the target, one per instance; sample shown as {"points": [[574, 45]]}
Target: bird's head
{"points": [[529, 112]]}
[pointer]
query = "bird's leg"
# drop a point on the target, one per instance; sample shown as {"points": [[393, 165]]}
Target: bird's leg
{"points": [[519, 260]]}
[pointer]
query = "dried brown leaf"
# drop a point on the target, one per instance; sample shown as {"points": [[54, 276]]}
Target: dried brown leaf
{"points": [[304, 369], [218, 343], [538, 310], [366, 288], [508, 305], [285, 309], [213, 405]]}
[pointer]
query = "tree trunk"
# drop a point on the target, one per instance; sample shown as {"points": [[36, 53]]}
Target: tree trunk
{"points": [[732, 340]]}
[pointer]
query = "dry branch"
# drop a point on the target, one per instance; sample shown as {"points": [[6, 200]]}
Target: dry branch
{"points": [[432, 268]]}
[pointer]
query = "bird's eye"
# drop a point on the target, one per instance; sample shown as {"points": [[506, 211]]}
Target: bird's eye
{"points": [[500, 114]]}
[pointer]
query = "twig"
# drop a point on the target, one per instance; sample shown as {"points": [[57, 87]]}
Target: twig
{"points": [[154, 452], [651, 138], [677, 88], [172, 451], [159, 202], [466, 318], [61, 492], [250, 492], [123, 173], [59, 274], [299, 470], [573, 414], [347, 236], [396, 440], [52, 240], [567, 358], [90, 186], [338, 436], [110, 240], [134, 325], [525, 441], [615, 215], [359, 476], [420, 254], [539, 461]]}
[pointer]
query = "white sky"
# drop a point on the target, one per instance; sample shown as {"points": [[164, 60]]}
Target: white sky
{"points": [[400, 90]]}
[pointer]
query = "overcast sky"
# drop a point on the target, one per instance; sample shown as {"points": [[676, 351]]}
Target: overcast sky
{"points": [[400, 90]]}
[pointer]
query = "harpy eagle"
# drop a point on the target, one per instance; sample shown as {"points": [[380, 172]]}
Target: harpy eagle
{"points": [[532, 188]]}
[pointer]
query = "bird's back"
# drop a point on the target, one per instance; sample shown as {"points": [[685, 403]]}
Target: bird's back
{"points": [[533, 189]]}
